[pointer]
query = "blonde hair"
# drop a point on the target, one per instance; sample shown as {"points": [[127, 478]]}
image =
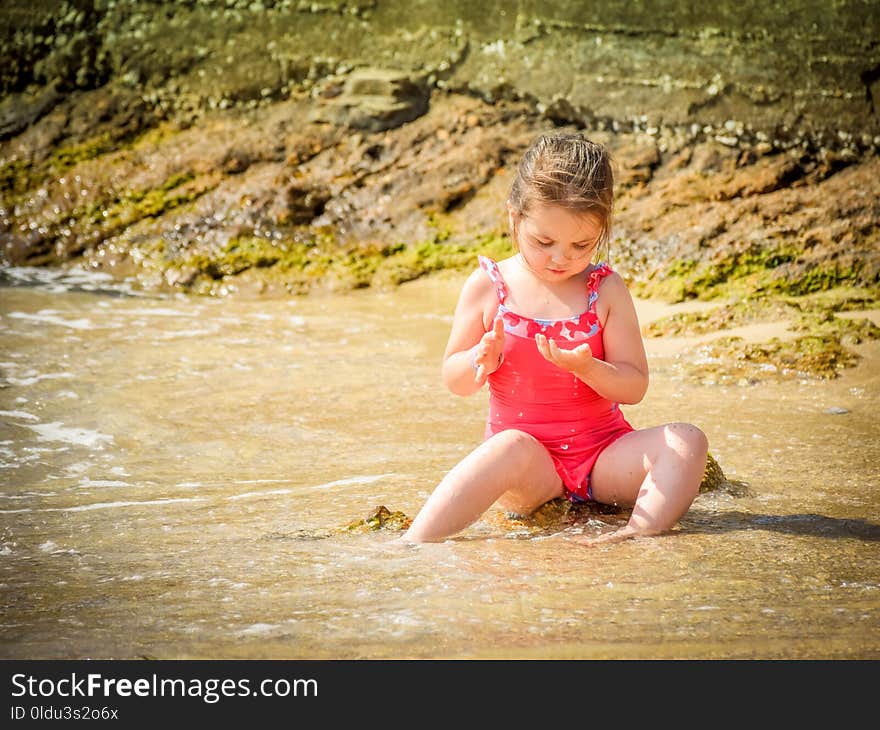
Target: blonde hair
{"points": [[568, 170]]}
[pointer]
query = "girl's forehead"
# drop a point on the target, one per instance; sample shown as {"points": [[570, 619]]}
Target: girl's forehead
{"points": [[562, 224]]}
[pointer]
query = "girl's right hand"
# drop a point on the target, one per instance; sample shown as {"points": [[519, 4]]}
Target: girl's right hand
{"points": [[487, 355]]}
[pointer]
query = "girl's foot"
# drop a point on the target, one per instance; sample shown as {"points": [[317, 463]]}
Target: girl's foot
{"points": [[624, 533]]}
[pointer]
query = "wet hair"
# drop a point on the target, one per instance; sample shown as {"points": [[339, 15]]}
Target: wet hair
{"points": [[568, 170]]}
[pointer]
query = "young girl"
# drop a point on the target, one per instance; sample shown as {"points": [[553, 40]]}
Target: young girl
{"points": [[558, 340]]}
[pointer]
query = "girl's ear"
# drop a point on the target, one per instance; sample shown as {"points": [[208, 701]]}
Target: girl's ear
{"points": [[512, 216]]}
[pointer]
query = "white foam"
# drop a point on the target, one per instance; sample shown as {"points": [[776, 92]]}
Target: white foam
{"points": [[326, 485], [182, 333], [369, 479], [260, 481], [293, 490], [74, 277], [257, 629], [159, 312], [248, 495], [106, 505], [102, 483], [48, 317], [28, 495], [19, 414], [57, 431], [38, 378]]}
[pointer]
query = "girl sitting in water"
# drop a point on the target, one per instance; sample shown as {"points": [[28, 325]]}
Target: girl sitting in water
{"points": [[558, 340]]}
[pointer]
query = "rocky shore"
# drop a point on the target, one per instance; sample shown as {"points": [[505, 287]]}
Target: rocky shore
{"points": [[274, 148]]}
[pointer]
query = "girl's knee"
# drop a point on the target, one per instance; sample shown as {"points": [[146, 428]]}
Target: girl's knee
{"points": [[687, 439], [516, 442], [515, 436]]}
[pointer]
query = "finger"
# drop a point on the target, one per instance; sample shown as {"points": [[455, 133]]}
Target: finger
{"points": [[541, 342], [496, 334], [557, 355], [480, 376]]}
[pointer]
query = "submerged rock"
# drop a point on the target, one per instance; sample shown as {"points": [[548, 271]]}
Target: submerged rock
{"points": [[381, 518], [714, 480]]}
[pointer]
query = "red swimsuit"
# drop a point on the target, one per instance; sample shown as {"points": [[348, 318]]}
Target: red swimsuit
{"points": [[531, 394]]}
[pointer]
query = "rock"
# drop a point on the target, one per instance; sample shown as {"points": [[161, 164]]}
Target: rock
{"points": [[375, 100], [381, 518], [19, 111], [300, 204], [715, 481]]}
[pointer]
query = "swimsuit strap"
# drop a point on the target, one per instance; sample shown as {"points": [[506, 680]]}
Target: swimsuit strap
{"points": [[596, 275], [491, 268], [595, 278]]}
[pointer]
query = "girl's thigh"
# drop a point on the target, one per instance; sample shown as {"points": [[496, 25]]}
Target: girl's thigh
{"points": [[621, 468], [529, 473]]}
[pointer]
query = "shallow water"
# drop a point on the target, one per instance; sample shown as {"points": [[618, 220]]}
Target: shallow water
{"points": [[173, 467]]}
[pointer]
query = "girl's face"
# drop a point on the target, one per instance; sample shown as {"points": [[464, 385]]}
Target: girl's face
{"points": [[555, 243]]}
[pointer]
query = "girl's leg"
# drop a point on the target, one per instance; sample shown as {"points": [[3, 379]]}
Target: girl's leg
{"points": [[511, 466], [657, 471]]}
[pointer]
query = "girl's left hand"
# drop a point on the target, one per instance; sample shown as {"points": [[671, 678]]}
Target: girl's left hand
{"points": [[574, 360]]}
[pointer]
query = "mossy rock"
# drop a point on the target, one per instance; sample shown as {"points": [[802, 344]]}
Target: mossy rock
{"points": [[715, 481], [732, 360], [381, 518]]}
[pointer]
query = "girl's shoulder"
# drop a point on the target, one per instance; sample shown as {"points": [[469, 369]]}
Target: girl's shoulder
{"points": [[610, 292], [478, 289], [602, 275]]}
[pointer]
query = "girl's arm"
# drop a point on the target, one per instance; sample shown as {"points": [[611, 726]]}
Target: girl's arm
{"points": [[468, 329], [622, 377]]}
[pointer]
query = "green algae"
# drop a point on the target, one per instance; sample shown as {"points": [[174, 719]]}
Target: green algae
{"points": [[757, 268], [16, 178], [109, 217], [322, 260], [800, 310], [838, 299], [821, 350], [847, 331], [731, 360], [147, 203], [735, 314], [65, 157]]}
